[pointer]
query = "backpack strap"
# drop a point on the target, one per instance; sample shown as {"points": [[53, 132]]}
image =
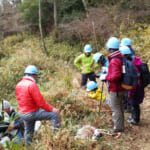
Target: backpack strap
{"points": [[117, 57]]}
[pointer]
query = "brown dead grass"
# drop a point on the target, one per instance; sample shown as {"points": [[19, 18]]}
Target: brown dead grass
{"points": [[9, 22], [64, 139], [102, 23]]}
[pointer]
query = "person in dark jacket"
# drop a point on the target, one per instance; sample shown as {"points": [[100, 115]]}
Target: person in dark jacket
{"points": [[4, 135], [127, 42], [113, 79], [136, 95], [3, 125], [17, 124]]}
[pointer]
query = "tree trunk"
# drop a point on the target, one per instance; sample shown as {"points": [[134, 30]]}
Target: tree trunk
{"points": [[2, 6], [40, 28], [85, 7], [55, 13]]}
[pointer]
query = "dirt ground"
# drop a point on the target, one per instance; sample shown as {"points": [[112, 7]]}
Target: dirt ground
{"points": [[140, 135], [134, 137], [143, 140]]}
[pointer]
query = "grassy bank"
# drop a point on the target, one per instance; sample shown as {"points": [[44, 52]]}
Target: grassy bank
{"points": [[59, 83]]}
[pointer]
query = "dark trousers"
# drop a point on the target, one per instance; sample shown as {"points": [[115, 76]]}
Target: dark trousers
{"points": [[135, 112], [30, 119], [85, 77], [4, 126], [126, 104]]}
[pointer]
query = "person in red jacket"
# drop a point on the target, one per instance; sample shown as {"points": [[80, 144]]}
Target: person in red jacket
{"points": [[113, 79], [32, 105]]}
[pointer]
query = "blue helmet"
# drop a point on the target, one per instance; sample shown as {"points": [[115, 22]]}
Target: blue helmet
{"points": [[112, 43], [31, 69], [87, 48], [125, 50], [91, 86], [126, 42], [96, 57]]}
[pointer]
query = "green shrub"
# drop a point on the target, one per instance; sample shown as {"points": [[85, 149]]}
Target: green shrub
{"points": [[9, 77], [68, 6], [70, 17], [63, 50], [29, 10], [14, 39]]}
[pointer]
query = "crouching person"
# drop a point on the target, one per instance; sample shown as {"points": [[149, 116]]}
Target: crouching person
{"points": [[30, 101], [3, 126], [96, 93], [16, 128]]}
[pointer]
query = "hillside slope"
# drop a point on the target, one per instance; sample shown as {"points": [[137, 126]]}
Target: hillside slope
{"points": [[59, 82], [57, 72]]}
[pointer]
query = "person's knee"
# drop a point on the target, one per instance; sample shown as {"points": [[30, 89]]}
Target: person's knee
{"points": [[55, 116]]}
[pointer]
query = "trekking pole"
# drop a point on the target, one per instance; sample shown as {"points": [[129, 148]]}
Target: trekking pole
{"points": [[2, 111], [101, 98]]}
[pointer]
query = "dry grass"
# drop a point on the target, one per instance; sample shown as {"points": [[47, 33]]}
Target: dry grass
{"points": [[102, 23], [59, 83]]}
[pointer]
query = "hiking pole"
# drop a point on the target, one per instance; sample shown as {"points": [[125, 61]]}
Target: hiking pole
{"points": [[2, 111], [101, 98]]}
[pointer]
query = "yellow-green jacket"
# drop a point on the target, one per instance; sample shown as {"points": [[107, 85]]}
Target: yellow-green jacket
{"points": [[97, 95], [86, 62]]}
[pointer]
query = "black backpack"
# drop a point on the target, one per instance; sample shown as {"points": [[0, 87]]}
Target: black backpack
{"points": [[130, 76], [145, 74]]}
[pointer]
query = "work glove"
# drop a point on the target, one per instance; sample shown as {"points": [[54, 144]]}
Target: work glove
{"points": [[92, 67], [104, 69], [103, 77], [82, 68]]}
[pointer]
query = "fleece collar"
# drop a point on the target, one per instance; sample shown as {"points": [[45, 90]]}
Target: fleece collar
{"points": [[29, 78], [116, 53]]}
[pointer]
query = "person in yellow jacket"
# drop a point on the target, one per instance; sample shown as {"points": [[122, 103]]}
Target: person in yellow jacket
{"points": [[96, 93], [85, 63]]}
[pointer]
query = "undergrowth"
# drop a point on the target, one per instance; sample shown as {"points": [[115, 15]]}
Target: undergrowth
{"points": [[56, 82]]}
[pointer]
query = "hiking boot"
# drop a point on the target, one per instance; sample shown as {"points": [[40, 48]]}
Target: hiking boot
{"points": [[133, 122], [83, 87], [129, 117], [118, 130], [127, 111]]}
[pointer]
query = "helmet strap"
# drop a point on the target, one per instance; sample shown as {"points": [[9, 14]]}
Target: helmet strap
{"points": [[27, 74], [110, 50], [95, 90]]}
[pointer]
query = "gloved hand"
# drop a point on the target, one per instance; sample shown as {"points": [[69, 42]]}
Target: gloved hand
{"points": [[103, 77], [92, 67], [82, 68], [104, 69]]}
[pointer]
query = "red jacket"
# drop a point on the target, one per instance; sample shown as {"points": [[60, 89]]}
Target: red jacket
{"points": [[114, 72], [29, 97]]}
